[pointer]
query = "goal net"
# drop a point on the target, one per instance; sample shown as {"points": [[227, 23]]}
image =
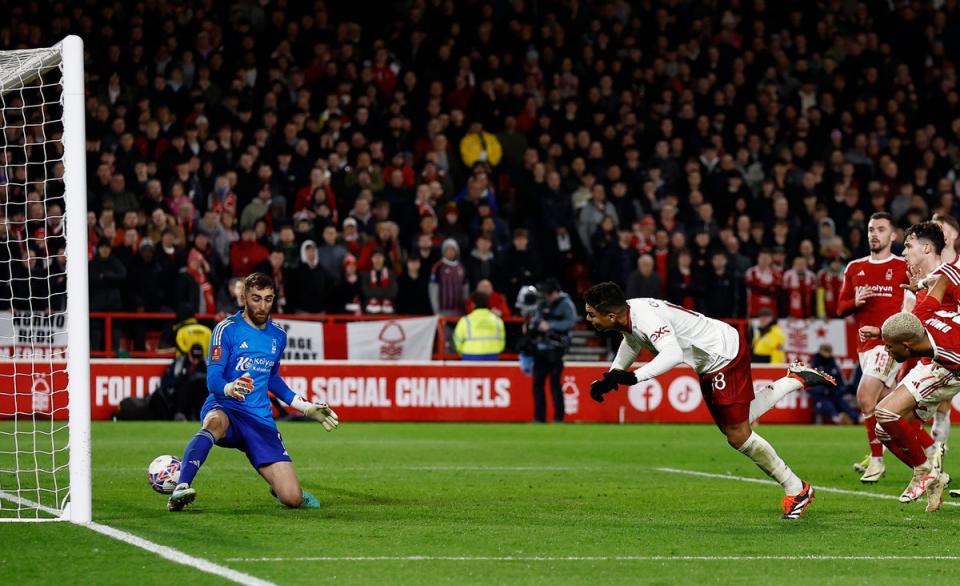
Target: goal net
{"points": [[44, 349]]}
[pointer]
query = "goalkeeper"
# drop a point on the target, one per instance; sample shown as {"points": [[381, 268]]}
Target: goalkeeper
{"points": [[243, 365]]}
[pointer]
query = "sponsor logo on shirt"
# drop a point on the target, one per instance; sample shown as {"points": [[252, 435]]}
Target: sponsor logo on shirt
{"points": [[659, 333], [243, 345], [861, 273]]}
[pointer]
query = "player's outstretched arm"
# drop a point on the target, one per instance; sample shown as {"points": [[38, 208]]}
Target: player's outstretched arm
{"points": [[317, 411]]}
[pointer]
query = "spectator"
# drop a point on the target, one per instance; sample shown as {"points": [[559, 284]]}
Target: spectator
{"points": [[521, 265], [681, 285], [480, 146], [829, 282], [330, 254], [832, 404], [230, 300], [767, 339], [591, 215], [413, 289], [107, 277], [798, 286], [379, 285], [194, 291], [496, 302], [448, 281], [722, 290], [644, 282], [311, 286], [348, 293], [480, 335], [247, 253], [763, 285], [482, 263]]}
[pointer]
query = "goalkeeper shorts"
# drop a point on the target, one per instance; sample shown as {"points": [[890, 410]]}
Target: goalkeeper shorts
{"points": [[259, 440]]}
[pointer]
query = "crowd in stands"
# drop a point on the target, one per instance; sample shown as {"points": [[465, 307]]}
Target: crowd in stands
{"points": [[381, 157]]}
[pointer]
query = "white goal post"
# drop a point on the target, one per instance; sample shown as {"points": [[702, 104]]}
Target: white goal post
{"points": [[45, 465]]}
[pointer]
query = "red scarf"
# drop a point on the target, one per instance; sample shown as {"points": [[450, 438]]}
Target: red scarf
{"points": [[384, 278], [205, 288]]}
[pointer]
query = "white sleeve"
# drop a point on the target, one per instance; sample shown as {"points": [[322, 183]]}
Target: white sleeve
{"points": [[663, 338], [625, 356]]}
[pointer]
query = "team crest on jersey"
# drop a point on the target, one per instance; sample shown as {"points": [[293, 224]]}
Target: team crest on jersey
{"points": [[889, 274], [273, 346]]}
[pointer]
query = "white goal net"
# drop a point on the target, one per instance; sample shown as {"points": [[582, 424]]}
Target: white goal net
{"points": [[44, 351]]}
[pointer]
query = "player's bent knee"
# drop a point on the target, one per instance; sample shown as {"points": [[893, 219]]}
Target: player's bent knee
{"points": [[216, 422], [737, 435], [291, 498]]}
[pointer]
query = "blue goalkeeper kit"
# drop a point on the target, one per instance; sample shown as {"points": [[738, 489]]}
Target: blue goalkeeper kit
{"points": [[235, 349]]}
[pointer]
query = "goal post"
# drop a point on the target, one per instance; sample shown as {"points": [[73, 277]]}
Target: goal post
{"points": [[45, 462]]}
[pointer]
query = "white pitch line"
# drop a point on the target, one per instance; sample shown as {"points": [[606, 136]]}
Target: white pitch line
{"points": [[174, 555], [816, 487], [623, 558]]}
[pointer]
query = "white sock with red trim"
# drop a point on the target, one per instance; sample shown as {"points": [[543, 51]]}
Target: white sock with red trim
{"points": [[765, 457], [771, 394]]}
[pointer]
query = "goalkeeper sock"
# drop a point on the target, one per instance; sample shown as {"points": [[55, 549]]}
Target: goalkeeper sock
{"points": [[195, 455], [765, 457], [771, 394]]}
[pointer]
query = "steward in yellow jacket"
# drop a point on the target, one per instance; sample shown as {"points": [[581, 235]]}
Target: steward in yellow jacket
{"points": [[480, 335]]}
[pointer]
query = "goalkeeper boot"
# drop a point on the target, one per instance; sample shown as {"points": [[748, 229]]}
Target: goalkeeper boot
{"points": [[861, 466], [309, 501], [810, 376], [794, 506], [182, 496], [935, 490], [875, 469]]}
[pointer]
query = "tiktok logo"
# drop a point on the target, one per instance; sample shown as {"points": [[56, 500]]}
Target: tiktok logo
{"points": [[684, 394]]}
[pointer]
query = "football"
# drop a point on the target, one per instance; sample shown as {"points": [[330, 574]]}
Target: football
{"points": [[164, 474]]}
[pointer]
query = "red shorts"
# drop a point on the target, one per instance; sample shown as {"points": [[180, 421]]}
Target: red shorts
{"points": [[729, 390]]}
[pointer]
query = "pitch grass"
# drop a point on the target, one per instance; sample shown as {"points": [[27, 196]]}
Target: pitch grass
{"points": [[448, 490]]}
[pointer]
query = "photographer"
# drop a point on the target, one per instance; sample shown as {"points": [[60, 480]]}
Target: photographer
{"points": [[183, 388], [547, 333]]}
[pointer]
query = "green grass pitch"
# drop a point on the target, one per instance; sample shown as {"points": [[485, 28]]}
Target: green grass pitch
{"points": [[454, 494]]}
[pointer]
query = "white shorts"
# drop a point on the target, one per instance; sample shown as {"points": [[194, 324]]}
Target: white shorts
{"points": [[877, 363], [930, 384]]}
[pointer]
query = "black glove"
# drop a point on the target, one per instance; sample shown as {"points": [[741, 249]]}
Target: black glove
{"points": [[610, 381]]}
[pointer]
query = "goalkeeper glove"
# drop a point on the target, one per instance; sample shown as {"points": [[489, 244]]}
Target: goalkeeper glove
{"points": [[239, 388], [610, 381], [317, 411]]}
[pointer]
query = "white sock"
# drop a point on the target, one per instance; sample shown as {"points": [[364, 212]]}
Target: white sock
{"points": [[941, 427], [771, 394], [765, 457]]}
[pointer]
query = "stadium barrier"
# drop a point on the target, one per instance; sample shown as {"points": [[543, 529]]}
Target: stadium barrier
{"points": [[803, 336], [411, 391]]}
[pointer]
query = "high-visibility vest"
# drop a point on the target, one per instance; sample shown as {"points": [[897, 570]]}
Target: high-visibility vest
{"points": [[770, 344], [481, 332], [191, 334]]}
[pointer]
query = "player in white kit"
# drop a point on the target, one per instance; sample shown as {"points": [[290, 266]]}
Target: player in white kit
{"points": [[721, 358]]}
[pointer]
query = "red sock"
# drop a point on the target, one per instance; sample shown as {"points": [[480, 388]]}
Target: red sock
{"points": [[925, 440], [876, 448], [904, 435]]}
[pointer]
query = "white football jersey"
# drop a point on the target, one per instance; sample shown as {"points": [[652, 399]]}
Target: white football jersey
{"points": [[675, 335]]}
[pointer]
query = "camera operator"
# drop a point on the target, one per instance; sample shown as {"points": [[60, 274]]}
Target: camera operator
{"points": [[183, 388], [548, 334]]}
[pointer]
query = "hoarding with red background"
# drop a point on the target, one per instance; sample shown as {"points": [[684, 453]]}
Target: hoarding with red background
{"points": [[418, 391]]}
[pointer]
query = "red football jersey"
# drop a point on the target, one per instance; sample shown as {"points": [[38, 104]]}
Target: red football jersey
{"points": [[799, 290], [943, 327], [831, 284], [951, 298], [763, 290], [882, 279]]}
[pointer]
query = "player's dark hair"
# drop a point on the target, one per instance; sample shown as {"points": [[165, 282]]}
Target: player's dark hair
{"points": [[881, 216], [480, 300], [258, 281], [946, 219], [606, 298], [928, 231]]}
